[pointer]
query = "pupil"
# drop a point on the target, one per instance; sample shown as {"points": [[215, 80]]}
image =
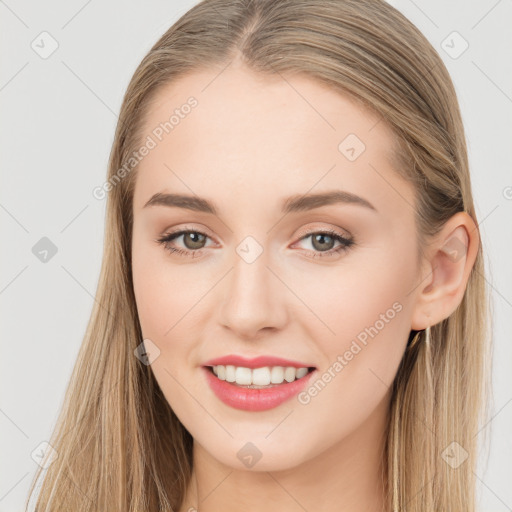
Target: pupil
{"points": [[197, 240], [321, 237]]}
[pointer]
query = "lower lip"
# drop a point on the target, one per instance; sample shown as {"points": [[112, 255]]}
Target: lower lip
{"points": [[249, 399]]}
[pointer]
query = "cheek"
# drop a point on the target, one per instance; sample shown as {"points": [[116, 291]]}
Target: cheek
{"points": [[165, 309], [361, 298], [370, 318], [150, 298], [367, 309], [164, 292], [169, 305]]}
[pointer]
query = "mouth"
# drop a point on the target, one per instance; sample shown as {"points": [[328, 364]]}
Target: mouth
{"points": [[256, 389], [259, 378]]}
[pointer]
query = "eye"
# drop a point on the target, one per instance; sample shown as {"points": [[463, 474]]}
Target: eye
{"points": [[323, 242], [193, 240]]}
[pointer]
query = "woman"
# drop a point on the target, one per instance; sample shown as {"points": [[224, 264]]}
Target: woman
{"points": [[291, 311]]}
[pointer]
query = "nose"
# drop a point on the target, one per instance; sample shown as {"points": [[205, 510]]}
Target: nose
{"points": [[254, 298]]}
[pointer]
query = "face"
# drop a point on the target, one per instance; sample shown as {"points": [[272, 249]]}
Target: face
{"points": [[251, 265]]}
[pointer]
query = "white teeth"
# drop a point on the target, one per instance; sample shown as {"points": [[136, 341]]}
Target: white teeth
{"points": [[221, 372], [301, 372], [277, 375], [258, 376], [261, 376], [230, 373], [243, 375], [289, 374]]}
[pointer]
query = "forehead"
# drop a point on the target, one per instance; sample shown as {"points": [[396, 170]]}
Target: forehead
{"points": [[232, 131]]}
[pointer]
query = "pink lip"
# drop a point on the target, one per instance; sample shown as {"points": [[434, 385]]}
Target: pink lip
{"points": [[257, 362], [248, 399]]}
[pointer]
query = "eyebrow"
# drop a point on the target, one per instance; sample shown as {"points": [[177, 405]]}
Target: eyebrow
{"points": [[297, 203]]}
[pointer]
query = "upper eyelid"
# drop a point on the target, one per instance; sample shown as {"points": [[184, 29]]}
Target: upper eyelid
{"points": [[343, 234], [174, 234]]}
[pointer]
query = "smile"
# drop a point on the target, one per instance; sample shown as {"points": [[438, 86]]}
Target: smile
{"points": [[258, 377], [256, 389]]}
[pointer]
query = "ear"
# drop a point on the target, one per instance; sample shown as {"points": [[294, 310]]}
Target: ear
{"points": [[450, 256]]}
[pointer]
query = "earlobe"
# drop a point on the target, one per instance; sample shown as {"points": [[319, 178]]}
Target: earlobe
{"points": [[452, 256]]}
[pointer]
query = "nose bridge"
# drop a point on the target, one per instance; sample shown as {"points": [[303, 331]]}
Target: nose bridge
{"points": [[254, 297]]}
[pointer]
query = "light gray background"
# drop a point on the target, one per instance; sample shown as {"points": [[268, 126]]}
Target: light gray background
{"points": [[57, 125]]}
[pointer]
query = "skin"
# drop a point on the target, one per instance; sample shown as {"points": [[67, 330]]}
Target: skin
{"points": [[250, 143]]}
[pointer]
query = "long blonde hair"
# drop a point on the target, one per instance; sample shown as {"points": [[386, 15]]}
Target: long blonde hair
{"points": [[119, 444]]}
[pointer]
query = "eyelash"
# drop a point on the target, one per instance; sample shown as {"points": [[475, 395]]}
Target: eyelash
{"points": [[346, 243]]}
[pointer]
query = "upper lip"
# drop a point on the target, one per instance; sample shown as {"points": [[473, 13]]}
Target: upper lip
{"points": [[256, 362]]}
